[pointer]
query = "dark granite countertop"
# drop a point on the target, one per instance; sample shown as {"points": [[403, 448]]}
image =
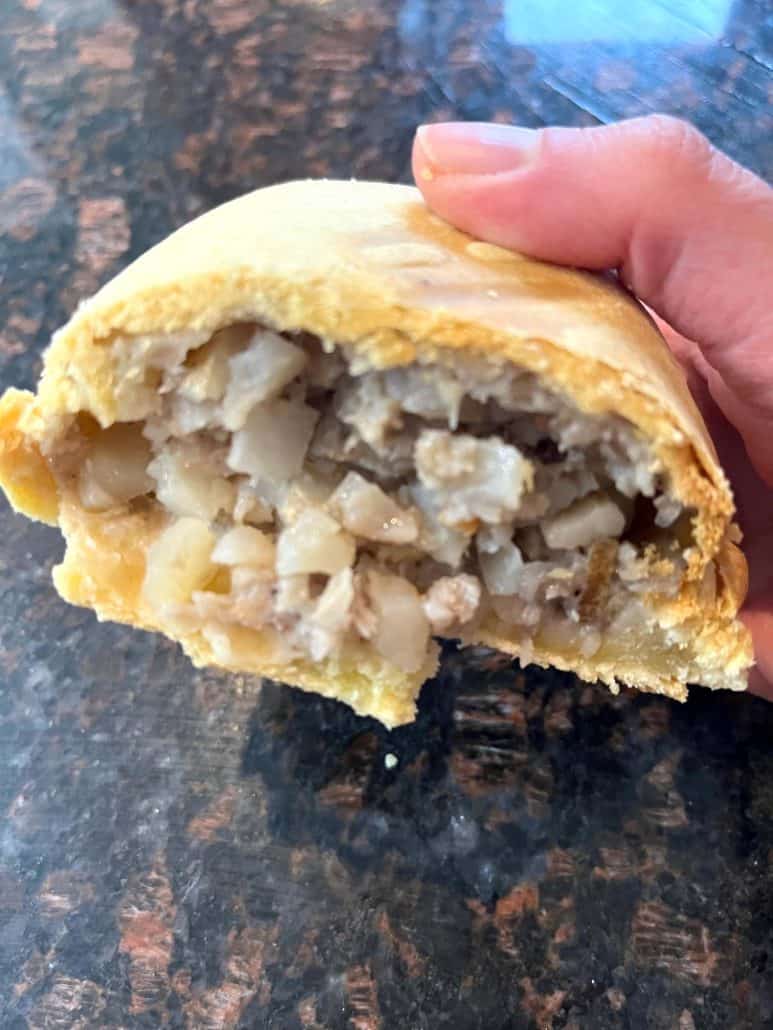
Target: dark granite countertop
{"points": [[181, 848]]}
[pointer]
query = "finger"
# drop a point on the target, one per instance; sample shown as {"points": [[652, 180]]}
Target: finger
{"points": [[759, 621], [759, 686], [754, 503], [690, 230]]}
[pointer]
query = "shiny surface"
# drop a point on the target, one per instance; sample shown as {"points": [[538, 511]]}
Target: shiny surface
{"points": [[179, 848]]}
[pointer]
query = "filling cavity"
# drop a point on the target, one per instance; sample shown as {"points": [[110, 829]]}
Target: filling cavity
{"points": [[331, 504]]}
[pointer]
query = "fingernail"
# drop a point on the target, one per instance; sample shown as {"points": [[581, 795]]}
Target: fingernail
{"points": [[475, 148]]}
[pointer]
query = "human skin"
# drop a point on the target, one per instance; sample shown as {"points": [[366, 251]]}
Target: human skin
{"points": [[690, 233]]}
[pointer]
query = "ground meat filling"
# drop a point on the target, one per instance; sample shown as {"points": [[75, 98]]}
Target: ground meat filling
{"points": [[329, 503]]}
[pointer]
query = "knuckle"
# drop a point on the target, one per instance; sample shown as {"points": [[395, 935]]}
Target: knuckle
{"points": [[678, 144]]}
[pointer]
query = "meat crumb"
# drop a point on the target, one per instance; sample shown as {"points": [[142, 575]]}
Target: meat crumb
{"points": [[452, 601]]}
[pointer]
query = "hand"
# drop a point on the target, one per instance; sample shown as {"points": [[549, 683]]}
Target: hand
{"points": [[691, 234]]}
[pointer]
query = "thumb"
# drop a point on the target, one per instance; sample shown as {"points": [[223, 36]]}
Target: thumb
{"points": [[690, 231]]}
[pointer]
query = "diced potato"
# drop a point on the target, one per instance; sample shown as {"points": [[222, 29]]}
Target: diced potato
{"points": [[592, 518], [178, 562], [365, 510], [115, 468], [314, 543], [309, 490], [186, 487], [244, 545], [444, 543], [293, 594], [274, 441], [207, 376], [258, 374], [186, 417], [402, 628]]}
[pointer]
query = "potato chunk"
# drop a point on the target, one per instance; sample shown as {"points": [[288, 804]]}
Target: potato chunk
{"points": [[274, 441], [258, 374], [185, 485], [365, 510], [592, 518], [402, 627], [178, 563], [244, 545], [115, 468], [314, 543]]}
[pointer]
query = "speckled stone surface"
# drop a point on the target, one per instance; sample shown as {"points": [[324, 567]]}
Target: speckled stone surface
{"points": [[185, 849]]}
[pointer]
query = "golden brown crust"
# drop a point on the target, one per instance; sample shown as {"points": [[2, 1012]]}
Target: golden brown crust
{"points": [[24, 473], [367, 266]]}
